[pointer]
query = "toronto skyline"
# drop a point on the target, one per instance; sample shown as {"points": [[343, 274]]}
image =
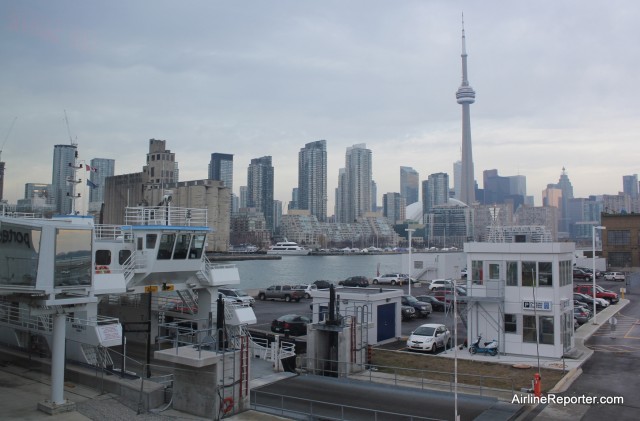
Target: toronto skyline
{"points": [[257, 79]]}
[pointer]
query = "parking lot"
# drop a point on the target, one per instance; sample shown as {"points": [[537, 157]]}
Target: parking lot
{"points": [[268, 310]]}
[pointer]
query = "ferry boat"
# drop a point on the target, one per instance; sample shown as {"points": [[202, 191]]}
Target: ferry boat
{"points": [[288, 248]]}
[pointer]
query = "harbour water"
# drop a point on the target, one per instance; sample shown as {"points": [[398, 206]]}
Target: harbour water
{"points": [[256, 274]]}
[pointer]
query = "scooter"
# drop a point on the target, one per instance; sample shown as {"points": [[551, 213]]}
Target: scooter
{"points": [[490, 347]]}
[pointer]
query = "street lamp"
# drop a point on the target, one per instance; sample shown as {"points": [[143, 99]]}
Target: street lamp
{"points": [[410, 231], [593, 269]]}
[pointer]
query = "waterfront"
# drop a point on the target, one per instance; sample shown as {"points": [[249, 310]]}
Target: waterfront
{"points": [[256, 274]]}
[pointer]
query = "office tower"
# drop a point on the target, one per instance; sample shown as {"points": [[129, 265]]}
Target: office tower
{"points": [[98, 171], [409, 184], [567, 194], [312, 179], [277, 215], [221, 168], [394, 208], [466, 96], [358, 181], [243, 197], [457, 174], [260, 188], [341, 199], [374, 196], [435, 191], [161, 166], [552, 196], [63, 179], [293, 204], [630, 185]]}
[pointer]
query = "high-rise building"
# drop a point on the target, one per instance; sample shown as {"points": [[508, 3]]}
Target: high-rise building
{"points": [[630, 185], [341, 199], [394, 208], [161, 166], [260, 188], [243, 197], [564, 184], [99, 170], [312, 179], [435, 191], [221, 168], [374, 196], [293, 204], [465, 97], [358, 181], [63, 178], [409, 184], [457, 174]]}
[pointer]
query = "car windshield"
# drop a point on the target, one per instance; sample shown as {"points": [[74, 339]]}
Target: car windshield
{"points": [[425, 331], [600, 289], [241, 293], [411, 299]]}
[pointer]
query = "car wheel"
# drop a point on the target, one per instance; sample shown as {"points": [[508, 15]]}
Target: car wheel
{"points": [[262, 297], [287, 298], [375, 282], [493, 352], [434, 348], [307, 296], [297, 300]]}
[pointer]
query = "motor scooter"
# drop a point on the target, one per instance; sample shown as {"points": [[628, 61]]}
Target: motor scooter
{"points": [[490, 347]]}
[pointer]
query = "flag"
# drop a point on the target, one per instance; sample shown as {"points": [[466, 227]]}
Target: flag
{"points": [[92, 184], [90, 168]]}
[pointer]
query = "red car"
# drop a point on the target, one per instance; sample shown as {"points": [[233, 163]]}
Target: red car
{"points": [[587, 289]]}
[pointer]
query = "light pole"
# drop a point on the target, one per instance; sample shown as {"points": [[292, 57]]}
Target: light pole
{"points": [[593, 269], [410, 231]]}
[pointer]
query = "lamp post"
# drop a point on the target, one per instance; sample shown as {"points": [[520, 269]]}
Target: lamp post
{"points": [[410, 231], [593, 268]]}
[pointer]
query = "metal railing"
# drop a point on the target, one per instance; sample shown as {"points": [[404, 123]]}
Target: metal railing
{"points": [[304, 409]]}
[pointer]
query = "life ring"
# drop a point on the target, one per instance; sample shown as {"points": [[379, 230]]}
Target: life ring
{"points": [[103, 269], [227, 405]]}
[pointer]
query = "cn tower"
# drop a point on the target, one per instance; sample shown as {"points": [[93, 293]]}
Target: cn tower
{"points": [[466, 96]]}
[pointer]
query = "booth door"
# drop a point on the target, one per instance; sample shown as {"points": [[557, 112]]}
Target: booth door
{"points": [[386, 321]]}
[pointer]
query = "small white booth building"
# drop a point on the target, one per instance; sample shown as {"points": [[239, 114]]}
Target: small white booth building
{"points": [[522, 295]]}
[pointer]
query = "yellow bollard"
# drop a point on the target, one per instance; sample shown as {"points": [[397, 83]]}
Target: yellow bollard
{"points": [[622, 291]]}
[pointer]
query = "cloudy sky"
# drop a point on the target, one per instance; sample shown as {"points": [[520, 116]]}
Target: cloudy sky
{"points": [[556, 86]]}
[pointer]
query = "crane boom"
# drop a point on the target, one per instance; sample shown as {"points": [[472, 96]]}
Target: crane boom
{"points": [[7, 136]]}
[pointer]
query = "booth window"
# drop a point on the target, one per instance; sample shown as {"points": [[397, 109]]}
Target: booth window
{"points": [[476, 271], [197, 245], [512, 274], [123, 255], [529, 328], [528, 273], [546, 330], [510, 323], [545, 274]]}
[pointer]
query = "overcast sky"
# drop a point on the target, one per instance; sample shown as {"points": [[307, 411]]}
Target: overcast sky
{"points": [[556, 86]]}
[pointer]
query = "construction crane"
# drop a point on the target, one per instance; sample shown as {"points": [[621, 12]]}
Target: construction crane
{"points": [[68, 129], [7, 136]]}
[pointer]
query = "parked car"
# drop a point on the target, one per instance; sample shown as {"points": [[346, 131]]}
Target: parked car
{"points": [[581, 315], [322, 284], [237, 295], [615, 276], [306, 289], [290, 324], [436, 304], [355, 281], [422, 309], [587, 289], [463, 273], [588, 300], [429, 337], [408, 313], [581, 275], [440, 283], [391, 278], [280, 292]]}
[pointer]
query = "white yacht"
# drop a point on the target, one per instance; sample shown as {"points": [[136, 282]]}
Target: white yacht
{"points": [[291, 248]]}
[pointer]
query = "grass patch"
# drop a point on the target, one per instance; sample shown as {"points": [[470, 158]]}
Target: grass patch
{"points": [[476, 373]]}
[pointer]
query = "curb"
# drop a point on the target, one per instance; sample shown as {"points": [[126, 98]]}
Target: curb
{"points": [[567, 380]]}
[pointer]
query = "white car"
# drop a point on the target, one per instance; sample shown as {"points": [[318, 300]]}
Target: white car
{"points": [[440, 283], [614, 276], [429, 337], [306, 289], [237, 296], [391, 278]]}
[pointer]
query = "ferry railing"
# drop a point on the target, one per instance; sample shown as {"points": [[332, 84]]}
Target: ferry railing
{"points": [[301, 408], [165, 215]]}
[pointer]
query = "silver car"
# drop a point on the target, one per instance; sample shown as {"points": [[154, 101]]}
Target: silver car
{"points": [[429, 337]]}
